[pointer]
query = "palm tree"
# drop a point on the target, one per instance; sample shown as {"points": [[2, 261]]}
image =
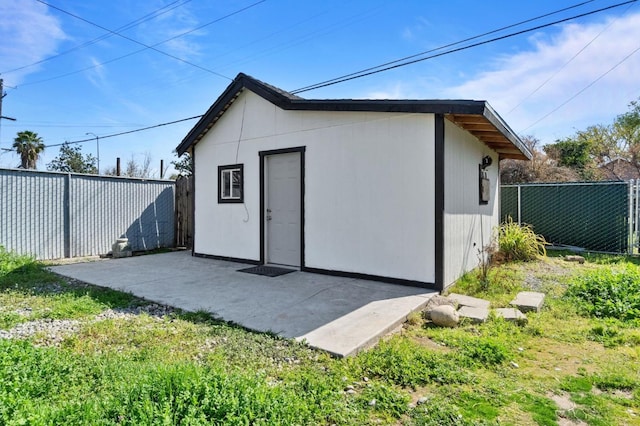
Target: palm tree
{"points": [[29, 146]]}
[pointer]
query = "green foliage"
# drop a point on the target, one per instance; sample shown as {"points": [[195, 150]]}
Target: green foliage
{"points": [[519, 242], [183, 165], [443, 412], [570, 153], [608, 292], [28, 146], [71, 160], [45, 386], [405, 363], [543, 410], [17, 270]]}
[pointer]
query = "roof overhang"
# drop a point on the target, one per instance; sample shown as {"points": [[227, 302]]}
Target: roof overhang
{"points": [[476, 117]]}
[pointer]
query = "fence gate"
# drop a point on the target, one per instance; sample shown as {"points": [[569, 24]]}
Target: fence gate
{"points": [[184, 212], [597, 216]]}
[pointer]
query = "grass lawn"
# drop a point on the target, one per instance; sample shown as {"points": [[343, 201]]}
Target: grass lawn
{"points": [[86, 355]]}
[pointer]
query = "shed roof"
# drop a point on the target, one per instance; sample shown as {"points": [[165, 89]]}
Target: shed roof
{"points": [[476, 117]]}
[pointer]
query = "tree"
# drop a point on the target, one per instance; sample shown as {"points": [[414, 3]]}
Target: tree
{"points": [[540, 168], [133, 168], [184, 165], [28, 145], [575, 153], [71, 160]]}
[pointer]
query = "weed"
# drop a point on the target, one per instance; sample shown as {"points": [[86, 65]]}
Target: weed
{"points": [[543, 410], [405, 363], [608, 292], [519, 243]]}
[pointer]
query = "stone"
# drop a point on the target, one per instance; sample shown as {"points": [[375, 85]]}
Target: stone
{"points": [[528, 301], [445, 316], [474, 302], [574, 258], [422, 400], [434, 302], [511, 314], [121, 248], [474, 314]]}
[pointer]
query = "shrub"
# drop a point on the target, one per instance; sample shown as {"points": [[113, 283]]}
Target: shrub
{"points": [[608, 293], [519, 242]]}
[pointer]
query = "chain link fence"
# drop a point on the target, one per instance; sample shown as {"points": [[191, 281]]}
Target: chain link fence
{"points": [[596, 216]]}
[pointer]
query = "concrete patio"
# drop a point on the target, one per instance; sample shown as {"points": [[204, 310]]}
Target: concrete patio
{"points": [[339, 315]]}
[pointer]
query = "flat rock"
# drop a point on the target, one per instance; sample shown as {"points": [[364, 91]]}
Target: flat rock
{"points": [[474, 314], [574, 258], [463, 300], [511, 314], [528, 301]]}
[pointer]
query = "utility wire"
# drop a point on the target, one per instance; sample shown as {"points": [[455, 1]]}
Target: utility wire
{"points": [[125, 133], [448, 45], [356, 75], [156, 13], [362, 73], [583, 89], [145, 46], [568, 62]]}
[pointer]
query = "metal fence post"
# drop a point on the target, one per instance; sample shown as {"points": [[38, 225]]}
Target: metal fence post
{"points": [[66, 205], [519, 205], [636, 217], [630, 220]]}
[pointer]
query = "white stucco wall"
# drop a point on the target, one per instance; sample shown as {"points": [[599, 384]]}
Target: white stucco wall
{"points": [[369, 187], [468, 225]]}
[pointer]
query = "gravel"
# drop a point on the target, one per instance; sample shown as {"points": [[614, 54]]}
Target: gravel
{"points": [[52, 332]]}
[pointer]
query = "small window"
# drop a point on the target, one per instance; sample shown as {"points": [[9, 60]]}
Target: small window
{"points": [[231, 184]]}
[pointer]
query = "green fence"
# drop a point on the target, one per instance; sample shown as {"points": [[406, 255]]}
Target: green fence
{"points": [[597, 216]]}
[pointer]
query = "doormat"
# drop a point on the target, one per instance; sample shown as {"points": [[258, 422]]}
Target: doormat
{"points": [[266, 270]]}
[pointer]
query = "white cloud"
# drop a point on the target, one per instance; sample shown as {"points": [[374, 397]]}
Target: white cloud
{"points": [[29, 34], [515, 77]]}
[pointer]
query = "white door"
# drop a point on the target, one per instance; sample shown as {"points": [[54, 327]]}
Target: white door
{"points": [[283, 210]]}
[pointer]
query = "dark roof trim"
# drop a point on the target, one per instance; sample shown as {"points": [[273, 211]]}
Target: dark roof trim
{"points": [[287, 101]]}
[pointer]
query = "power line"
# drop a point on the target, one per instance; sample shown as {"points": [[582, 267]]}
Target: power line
{"points": [[113, 135], [145, 46], [356, 75], [583, 89], [156, 13], [448, 45], [568, 62], [364, 73]]}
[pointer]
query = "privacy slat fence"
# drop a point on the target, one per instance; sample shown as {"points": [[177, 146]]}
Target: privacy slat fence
{"points": [[55, 215], [597, 216]]}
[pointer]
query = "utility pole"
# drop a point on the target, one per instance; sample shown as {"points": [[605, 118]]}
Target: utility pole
{"points": [[97, 147], [2, 95]]}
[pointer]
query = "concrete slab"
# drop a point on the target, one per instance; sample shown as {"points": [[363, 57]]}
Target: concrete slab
{"points": [[335, 314], [464, 300], [474, 314], [511, 314], [528, 301]]}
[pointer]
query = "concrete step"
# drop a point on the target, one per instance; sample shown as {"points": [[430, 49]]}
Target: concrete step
{"points": [[511, 314], [474, 314], [474, 302], [363, 328], [528, 301]]}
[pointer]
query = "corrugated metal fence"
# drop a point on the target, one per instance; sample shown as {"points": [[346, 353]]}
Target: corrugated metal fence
{"points": [[54, 215], [597, 216]]}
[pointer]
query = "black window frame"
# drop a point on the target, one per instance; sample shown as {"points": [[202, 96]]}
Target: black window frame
{"points": [[221, 169]]}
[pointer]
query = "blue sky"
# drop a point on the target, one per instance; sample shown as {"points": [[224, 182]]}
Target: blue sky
{"points": [[65, 77]]}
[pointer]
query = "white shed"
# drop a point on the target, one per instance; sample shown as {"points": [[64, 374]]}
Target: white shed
{"points": [[404, 191]]}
